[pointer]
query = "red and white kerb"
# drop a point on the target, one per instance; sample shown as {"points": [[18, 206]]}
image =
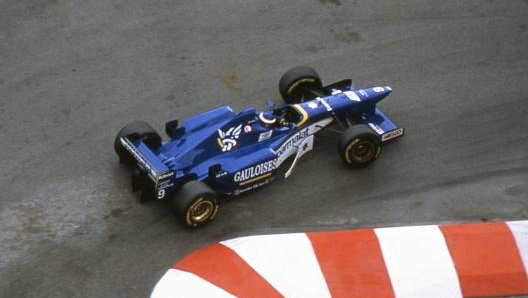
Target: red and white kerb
{"points": [[469, 260]]}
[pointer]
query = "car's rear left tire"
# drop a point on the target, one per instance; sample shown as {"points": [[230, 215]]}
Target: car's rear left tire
{"points": [[137, 130], [359, 146], [195, 204], [299, 84]]}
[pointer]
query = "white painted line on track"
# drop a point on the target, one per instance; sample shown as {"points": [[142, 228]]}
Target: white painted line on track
{"points": [[286, 261], [519, 230], [418, 262], [177, 283]]}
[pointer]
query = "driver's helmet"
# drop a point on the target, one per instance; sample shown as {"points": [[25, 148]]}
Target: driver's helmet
{"points": [[268, 119]]}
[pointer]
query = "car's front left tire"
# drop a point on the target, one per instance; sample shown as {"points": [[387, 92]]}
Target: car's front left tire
{"points": [[299, 84]]}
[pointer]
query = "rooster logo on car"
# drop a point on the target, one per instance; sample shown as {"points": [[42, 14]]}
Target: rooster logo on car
{"points": [[228, 140]]}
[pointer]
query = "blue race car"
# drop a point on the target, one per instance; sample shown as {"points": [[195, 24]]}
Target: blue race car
{"points": [[226, 152]]}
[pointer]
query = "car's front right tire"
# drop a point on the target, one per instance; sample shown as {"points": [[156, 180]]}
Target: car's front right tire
{"points": [[359, 146]]}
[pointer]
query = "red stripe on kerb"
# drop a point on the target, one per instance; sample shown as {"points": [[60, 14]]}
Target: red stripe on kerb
{"points": [[486, 259], [222, 267], [352, 263]]}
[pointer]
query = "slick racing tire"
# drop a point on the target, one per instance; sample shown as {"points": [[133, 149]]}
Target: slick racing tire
{"points": [[359, 146], [195, 204], [137, 130], [299, 84]]}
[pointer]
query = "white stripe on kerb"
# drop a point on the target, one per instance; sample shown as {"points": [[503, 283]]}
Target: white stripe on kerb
{"points": [[286, 261], [419, 262], [519, 230], [177, 283]]}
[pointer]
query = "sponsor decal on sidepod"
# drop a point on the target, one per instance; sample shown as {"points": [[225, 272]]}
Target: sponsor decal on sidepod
{"points": [[254, 171]]}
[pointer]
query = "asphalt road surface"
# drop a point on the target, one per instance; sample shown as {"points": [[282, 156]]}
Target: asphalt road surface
{"points": [[74, 72]]}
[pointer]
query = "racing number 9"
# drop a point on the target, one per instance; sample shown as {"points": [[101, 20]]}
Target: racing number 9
{"points": [[161, 194]]}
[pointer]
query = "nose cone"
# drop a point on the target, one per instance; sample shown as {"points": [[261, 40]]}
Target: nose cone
{"points": [[379, 91], [374, 94]]}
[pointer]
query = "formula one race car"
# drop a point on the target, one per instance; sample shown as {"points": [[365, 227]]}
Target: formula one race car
{"points": [[224, 152]]}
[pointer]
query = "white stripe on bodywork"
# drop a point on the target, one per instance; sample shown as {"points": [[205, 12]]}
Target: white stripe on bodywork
{"points": [[418, 262], [325, 104], [286, 261], [177, 283], [519, 230], [352, 96], [289, 147]]}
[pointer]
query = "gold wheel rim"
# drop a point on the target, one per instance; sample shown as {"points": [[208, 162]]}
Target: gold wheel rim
{"points": [[201, 210]]}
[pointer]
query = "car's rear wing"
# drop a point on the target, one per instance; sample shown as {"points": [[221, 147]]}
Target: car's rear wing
{"points": [[152, 177]]}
